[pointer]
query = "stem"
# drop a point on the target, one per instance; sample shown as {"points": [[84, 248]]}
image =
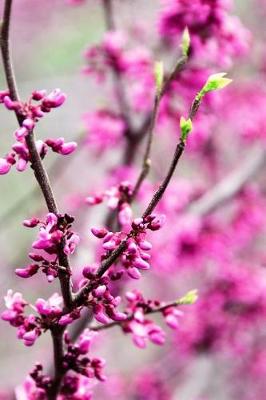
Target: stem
{"points": [[158, 97], [78, 299], [45, 186], [120, 91], [119, 250], [36, 162], [162, 188], [108, 15], [57, 337], [5, 49], [146, 159]]}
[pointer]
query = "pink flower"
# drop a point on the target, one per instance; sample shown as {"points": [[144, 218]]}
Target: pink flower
{"points": [[27, 272], [210, 27], [59, 146], [71, 244], [143, 329], [4, 166], [50, 307], [53, 100], [15, 305], [105, 129]]}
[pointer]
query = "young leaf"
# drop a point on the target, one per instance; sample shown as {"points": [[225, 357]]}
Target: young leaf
{"points": [[186, 127], [159, 75], [190, 298], [185, 42], [215, 82]]}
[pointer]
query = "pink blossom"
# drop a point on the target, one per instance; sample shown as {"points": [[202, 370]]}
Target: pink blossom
{"points": [[4, 166], [104, 129], [50, 307]]}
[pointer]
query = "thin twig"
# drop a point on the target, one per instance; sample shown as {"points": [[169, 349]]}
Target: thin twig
{"points": [[146, 164], [119, 87], [162, 188], [108, 15], [106, 264]]}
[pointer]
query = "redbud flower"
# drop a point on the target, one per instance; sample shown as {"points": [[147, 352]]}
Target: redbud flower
{"points": [[3, 94], [27, 272], [50, 307], [54, 99], [99, 233], [4, 166]]}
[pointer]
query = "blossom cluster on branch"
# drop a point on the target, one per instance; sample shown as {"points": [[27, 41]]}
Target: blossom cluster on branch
{"points": [[170, 229]]}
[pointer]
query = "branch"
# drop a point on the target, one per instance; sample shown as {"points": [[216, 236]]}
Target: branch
{"points": [[45, 186], [57, 337], [106, 264], [120, 91], [152, 121], [109, 15], [36, 162]]}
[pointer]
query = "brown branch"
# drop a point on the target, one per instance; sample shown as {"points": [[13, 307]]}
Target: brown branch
{"points": [[57, 337], [120, 91], [146, 164], [162, 188], [44, 183], [36, 162], [78, 299], [108, 15], [106, 264]]}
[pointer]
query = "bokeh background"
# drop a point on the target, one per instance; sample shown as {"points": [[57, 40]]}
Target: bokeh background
{"points": [[48, 42]]}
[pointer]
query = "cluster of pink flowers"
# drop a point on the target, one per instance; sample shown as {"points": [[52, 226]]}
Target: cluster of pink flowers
{"points": [[77, 384], [143, 328], [30, 327], [213, 30], [53, 232], [135, 256], [134, 66], [105, 129], [75, 358], [30, 113], [115, 196]]}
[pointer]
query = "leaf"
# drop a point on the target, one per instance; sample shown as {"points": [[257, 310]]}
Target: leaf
{"points": [[185, 42], [190, 298], [186, 127], [215, 82], [159, 75]]}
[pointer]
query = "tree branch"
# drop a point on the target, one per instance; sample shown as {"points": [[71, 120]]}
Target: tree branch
{"points": [[120, 91], [158, 97], [45, 186], [106, 264]]}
